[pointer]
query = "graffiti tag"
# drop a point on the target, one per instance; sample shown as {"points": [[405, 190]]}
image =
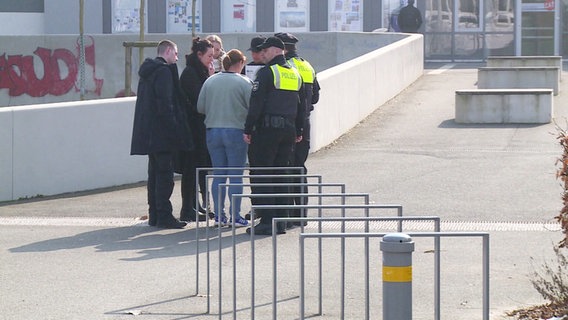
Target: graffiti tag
{"points": [[60, 68]]}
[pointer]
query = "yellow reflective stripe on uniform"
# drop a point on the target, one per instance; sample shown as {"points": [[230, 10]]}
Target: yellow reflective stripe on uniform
{"points": [[286, 78], [397, 274], [304, 68]]}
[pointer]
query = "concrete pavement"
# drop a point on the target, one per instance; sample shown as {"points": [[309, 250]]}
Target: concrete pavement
{"points": [[86, 256]]}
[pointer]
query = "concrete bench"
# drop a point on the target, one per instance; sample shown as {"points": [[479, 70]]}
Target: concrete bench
{"points": [[504, 106], [518, 78], [525, 61]]}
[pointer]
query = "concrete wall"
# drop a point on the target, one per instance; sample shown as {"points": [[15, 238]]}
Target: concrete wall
{"points": [[504, 106], [354, 89], [519, 78], [65, 147], [45, 69]]}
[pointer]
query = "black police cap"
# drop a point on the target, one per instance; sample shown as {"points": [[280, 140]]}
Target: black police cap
{"points": [[286, 37], [271, 42], [255, 42]]}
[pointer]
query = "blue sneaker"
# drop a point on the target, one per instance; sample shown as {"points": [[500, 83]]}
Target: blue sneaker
{"points": [[240, 222], [222, 223]]}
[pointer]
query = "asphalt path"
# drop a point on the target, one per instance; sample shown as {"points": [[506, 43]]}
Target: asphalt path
{"points": [[90, 255]]}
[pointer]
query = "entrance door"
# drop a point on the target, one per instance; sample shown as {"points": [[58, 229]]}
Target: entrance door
{"points": [[538, 33]]}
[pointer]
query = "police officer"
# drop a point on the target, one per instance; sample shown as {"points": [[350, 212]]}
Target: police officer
{"points": [[274, 124], [252, 67], [312, 87]]}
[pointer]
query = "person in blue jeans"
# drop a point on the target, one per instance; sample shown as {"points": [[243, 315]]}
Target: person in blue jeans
{"points": [[224, 99]]}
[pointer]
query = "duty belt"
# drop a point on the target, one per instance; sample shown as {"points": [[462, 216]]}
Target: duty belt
{"points": [[277, 122]]}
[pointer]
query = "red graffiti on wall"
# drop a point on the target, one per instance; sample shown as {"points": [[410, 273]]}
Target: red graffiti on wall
{"points": [[59, 76]]}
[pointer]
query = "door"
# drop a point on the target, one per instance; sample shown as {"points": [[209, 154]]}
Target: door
{"points": [[538, 30]]}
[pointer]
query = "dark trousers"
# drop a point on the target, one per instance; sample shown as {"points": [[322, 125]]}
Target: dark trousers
{"points": [[301, 151], [198, 158], [271, 147], [160, 187]]}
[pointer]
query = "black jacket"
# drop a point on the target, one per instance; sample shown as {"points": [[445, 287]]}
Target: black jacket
{"points": [[158, 117], [192, 78], [266, 100], [312, 89], [409, 19]]}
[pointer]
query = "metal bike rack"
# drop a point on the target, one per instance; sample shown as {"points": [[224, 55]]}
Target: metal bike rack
{"points": [[485, 262]]}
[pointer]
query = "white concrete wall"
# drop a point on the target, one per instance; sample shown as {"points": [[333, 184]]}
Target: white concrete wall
{"points": [[518, 78], [66, 147], [354, 89], [74, 146], [504, 106]]}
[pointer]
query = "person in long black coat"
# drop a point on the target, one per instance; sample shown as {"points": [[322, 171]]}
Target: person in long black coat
{"points": [[160, 130], [198, 68]]}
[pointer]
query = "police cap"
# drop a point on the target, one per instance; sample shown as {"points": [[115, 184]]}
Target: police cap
{"points": [[286, 37], [271, 42], [255, 42]]}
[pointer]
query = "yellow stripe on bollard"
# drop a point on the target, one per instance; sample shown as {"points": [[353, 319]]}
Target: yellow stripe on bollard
{"points": [[397, 274]]}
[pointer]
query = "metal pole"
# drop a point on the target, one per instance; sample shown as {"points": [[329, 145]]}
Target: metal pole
{"points": [[81, 49], [142, 27], [397, 251], [127, 71], [486, 277]]}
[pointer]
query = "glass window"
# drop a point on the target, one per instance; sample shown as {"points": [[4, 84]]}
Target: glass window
{"points": [[238, 16], [292, 16], [500, 44], [500, 16], [438, 16], [469, 15], [345, 15], [180, 18], [438, 45]]}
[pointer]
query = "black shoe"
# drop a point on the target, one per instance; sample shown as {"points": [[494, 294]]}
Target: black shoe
{"points": [[172, 223]]}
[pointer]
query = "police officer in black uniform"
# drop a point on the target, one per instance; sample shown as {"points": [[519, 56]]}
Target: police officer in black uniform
{"points": [[312, 87], [274, 124]]}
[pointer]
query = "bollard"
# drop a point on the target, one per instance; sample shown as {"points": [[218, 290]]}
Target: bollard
{"points": [[397, 251]]}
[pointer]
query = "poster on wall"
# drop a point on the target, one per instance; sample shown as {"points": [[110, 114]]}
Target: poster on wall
{"points": [[180, 16], [238, 15], [292, 16], [126, 16], [345, 15]]}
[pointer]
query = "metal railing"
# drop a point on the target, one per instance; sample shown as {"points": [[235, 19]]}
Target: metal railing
{"points": [[436, 235]]}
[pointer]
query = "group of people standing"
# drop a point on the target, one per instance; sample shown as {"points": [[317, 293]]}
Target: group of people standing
{"points": [[214, 116]]}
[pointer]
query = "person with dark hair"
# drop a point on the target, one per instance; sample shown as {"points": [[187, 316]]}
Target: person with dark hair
{"points": [[199, 66], [312, 87], [409, 18], [252, 67], [160, 130], [224, 99], [273, 125]]}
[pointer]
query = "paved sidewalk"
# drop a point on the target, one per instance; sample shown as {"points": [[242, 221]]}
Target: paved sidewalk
{"points": [[86, 256]]}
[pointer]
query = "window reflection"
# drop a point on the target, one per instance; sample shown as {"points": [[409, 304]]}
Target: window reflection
{"points": [[438, 16], [469, 13], [500, 15]]}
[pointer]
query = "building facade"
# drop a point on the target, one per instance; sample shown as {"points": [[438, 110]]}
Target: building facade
{"points": [[454, 30]]}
